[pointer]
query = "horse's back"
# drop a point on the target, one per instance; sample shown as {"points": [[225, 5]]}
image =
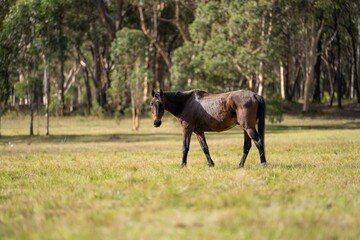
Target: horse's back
{"points": [[217, 112]]}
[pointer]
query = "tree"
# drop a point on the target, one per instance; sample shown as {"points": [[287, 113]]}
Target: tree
{"points": [[130, 49], [4, 84], [4, 60], [229, 43], [290, 50], [315, 29]]}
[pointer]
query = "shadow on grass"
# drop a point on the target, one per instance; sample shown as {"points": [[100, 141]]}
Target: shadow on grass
{"points": [[335, 126], [175, 135], [69, 138]]}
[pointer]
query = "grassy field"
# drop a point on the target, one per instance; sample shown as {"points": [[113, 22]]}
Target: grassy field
{"points": [[97, 179]]}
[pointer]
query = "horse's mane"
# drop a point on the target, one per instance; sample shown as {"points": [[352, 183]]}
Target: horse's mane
{"points": [[181, 96]]}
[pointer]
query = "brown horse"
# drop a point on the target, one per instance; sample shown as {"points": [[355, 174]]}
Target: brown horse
{"points": [[199, 112]]}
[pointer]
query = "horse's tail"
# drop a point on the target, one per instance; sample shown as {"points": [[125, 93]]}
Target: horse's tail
{"points": [[261, 116]]}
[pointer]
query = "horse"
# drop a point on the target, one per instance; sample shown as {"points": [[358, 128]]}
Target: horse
{"points": [[199, 112]]}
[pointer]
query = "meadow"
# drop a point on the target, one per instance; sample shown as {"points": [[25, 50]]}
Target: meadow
{"points": [[94, 178]]}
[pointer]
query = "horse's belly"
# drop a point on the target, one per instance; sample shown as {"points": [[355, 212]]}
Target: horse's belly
{"points": [[215, 124], [214, 115]]}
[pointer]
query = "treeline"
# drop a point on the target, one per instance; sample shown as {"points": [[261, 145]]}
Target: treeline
{"points": [[105, 56]]}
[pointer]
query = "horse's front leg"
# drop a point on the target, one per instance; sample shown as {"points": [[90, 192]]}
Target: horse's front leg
{"points": [[205, 148], [186, 145]]}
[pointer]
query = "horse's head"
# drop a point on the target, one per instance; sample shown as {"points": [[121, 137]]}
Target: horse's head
{"points": [[157, 107]]}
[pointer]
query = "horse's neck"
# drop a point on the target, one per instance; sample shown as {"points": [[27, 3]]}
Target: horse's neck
{"points": [[175, 101]]}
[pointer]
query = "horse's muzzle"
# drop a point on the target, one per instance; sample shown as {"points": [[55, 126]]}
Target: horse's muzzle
{"points": [[157, 123]]}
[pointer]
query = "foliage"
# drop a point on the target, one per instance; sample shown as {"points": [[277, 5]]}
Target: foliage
{"points": [[129, 45], [129, 52], [130, 48], [214, 45], [274, 111], [20, 89], [227, 46]]}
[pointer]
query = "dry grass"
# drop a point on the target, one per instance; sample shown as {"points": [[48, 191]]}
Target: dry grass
{"points": [[96, 179]]}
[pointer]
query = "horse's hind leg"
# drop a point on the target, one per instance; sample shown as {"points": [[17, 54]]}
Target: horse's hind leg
{"points": [[247, 146], [205, 148], [259, 144]]}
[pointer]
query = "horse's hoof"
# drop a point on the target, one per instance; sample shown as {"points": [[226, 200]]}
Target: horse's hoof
{"points": [[212, 165], [241, 165], [264, 165], [183, 165]]}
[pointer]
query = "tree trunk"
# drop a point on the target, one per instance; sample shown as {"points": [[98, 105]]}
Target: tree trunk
{"points": [[310, 66], [330, 77], [185, 35], [47, 97], [339, 88], [158, 71], [265, 36], [261, 80], [153, 37], [86, 79], [38, 115], [112, 24], [356, 82], [135, 107], [355, 51], [31, 99], [0, 120], [282, 82], [317, 91], [136, 96], [357, 74], [97, 78], [88, 90], [61, 57], [332, 83], [357, 64], [338, 74], [62, 91]]}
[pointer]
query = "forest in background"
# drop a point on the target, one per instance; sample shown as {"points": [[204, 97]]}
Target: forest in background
{"points": [[62, 57]]}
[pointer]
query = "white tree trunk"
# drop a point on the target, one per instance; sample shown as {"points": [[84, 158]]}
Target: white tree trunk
{"points": [[261, 79], [282, 81], [310, 65], [46, 81]]}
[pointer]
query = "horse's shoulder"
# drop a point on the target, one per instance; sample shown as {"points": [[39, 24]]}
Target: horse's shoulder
{"points": [[244, 94], [178, 96], [171, 94], [199, 93]]}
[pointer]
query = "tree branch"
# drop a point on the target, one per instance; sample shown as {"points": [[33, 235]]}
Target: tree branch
{"points": [[159, 47], [104, 10], [185, 36]]}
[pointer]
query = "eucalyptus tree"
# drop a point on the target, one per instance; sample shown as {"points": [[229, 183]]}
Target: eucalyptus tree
{"points": [[165, 24], [229, 47], [4, 59], [4, 81], [129, 48], [318, 44], [50, 34], [22, 55]]}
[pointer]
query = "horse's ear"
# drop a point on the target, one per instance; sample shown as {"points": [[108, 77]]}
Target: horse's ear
{"points": [[153, 93], [161, 93]]}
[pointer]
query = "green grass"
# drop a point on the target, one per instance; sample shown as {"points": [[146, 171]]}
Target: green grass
{"points": [[96, 179]]}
